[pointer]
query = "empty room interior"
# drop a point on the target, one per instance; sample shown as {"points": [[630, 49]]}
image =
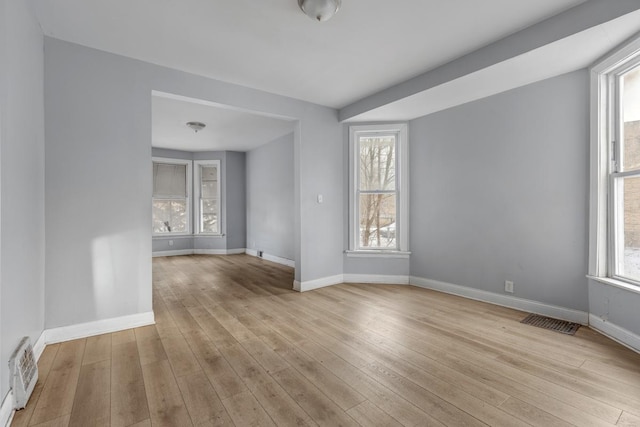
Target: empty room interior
{"points": [[328, 213]]}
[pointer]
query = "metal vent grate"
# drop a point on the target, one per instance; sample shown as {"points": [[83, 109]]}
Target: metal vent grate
{"points": [[24, 373], [561, 326]]}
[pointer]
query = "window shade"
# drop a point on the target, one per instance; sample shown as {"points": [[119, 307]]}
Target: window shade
{"points": [[169, 180]]}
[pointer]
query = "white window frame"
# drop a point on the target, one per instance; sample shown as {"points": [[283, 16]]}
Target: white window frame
{"points": [[402, 190], [188, 201], [604, 131], [196, 197]]}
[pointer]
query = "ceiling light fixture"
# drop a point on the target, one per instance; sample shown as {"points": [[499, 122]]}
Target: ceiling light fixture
{"points": [[196, 126], [320, 10]]}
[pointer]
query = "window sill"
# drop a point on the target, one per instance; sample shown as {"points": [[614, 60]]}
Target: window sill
{"points": [[378, 254], [216, 236], [616, 283], [172, 236]]}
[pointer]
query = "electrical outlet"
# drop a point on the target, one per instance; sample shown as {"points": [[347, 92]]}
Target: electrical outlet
{"points": [[508, 286], [170, 242]]}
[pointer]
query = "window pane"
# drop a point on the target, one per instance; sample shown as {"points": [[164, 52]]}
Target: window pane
{"points": [[209, 181], [377, 162], [627, 228], [378, 221], [209, 215], [170, 216], [169, 180], [631, 119]]}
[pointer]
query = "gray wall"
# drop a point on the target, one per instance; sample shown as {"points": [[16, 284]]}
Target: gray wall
{"points": [[98, 119], [232, 200], [236, 196], [22, 181], [270, 191], [615, 305], [499, 191]]}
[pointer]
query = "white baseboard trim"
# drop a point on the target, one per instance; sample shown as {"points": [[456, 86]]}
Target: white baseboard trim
{"points": [[349, 278], [218, 251], [615, 332], [382, 279], [273, 258], [183, 252], [105, 326], [554, 311], [323, 282], [173, 253], [6, 410], [39, 345]]}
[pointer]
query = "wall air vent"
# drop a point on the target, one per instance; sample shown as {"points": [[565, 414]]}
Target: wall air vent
{"points": [[24, 373]]}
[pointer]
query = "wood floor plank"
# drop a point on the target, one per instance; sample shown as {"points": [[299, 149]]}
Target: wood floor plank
{"points": [[166, 406], [128, 396], [56, 399], [98, 349], [628, 420], [282, 409], [245, 410], [149, 344], [58, 422], [321, 409], [92, 403], [531, 415], [122, 337], [368, 414], [202, 402], [182, 360], [337, 390], [221, 375]]}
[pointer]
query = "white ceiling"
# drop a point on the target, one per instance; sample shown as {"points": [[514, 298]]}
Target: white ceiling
{"points": [[226, 129], [563, 56], [271, 45]]}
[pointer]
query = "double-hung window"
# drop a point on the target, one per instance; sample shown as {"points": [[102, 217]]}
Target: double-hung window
{"points": [[171, 196], [378, 188], [615, 232], [207, 196]]}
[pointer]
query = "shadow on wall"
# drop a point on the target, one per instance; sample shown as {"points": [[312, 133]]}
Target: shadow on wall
{"points": [[111, 261]]}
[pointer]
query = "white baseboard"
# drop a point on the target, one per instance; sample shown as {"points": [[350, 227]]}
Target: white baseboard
{"points": [[323, 282], [183, 252], [105, 326], [39, 345], [350, 278], [173, 253], [273, 258], [6, 410], [531, 306], [382, 279], [615, 332], [219, 251]]}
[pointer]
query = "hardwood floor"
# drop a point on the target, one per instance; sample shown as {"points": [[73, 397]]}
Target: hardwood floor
{"points": [[234, 346]]}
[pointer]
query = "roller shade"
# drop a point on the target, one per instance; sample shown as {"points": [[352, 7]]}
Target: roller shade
{"points": [[169, 180]]}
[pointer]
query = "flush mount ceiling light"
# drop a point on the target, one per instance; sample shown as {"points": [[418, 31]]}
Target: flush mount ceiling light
{"points": [[196, 126], [320, 10]]}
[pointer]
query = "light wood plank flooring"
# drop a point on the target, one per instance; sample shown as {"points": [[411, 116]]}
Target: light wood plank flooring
{"points": [[234, 346]]}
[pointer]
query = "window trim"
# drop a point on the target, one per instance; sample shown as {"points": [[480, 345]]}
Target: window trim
{"points": [[402, 184], [603, 132], [196, 198], [171, 161]]}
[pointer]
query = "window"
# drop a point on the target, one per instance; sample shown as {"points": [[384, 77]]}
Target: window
{"points": [[615, 207], [171, 188], [378, 188], [207, 196]]}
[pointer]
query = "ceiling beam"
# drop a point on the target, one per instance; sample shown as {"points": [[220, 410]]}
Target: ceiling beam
{"points": [[570, 22]]}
